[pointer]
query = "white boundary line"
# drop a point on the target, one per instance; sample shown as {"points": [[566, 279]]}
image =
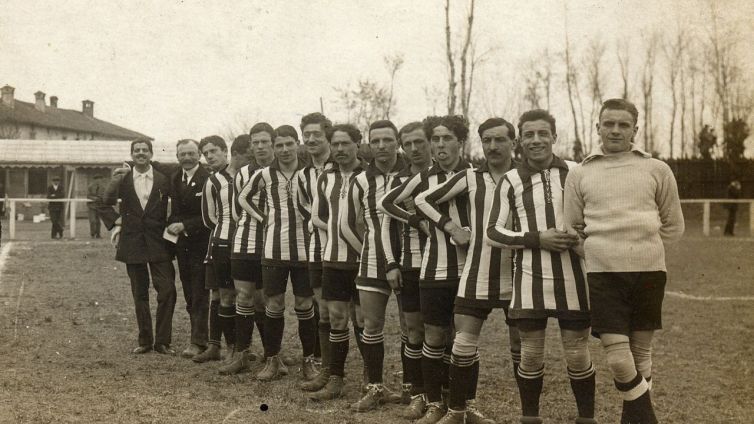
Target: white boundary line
{"points": [[682, 295]]}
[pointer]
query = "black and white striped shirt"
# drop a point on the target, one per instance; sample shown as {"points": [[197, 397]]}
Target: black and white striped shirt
{"points": [[486, 277], [545, 283], [248, 241], [403, 244], [307, 190], [284, 238], [216, 206], [442, 262], [327, 210], [363, 193]]}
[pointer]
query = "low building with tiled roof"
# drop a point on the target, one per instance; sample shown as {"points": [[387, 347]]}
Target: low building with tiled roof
{"points": [[39, 141]]}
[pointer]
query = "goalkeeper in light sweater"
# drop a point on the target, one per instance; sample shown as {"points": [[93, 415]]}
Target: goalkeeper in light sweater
{"points": [[626, 207]]}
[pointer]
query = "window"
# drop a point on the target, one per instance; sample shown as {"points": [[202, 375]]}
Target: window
{"points": [[37, 181]]}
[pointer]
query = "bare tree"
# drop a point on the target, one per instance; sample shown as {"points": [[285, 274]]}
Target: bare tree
{"points": [[593, 58], [365, 103], [623, 50], [572, 88], [651, 43], [532, 86], [393, 64], [673, 50], [468, 60]]}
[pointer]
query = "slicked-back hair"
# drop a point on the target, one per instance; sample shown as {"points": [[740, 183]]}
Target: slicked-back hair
{"points": [[349, 129], [457, 124], [286, 131], [143, 140], [620, 104], [536, 115], [316, 118], [262, 127], [183, 141], [497, 122], [214, 140], [240, 145], [411, 127], [383, 123]]}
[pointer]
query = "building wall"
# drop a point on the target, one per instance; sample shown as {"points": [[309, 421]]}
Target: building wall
{"points": [[33, 132]]}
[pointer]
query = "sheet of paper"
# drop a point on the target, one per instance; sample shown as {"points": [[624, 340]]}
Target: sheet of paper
{"points": [[169, 237]]}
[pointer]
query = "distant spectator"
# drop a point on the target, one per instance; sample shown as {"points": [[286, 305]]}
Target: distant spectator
{"points": [[55, 191], [734, 192], [94, 192]]}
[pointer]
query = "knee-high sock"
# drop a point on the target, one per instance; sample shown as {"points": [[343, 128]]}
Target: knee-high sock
{"points": [[374, 355], [432, 367], [244, 326], [531, 371], [404, 366], [641, 349], [325, 347], [474, 381], [227, 316], [339, 351], [461, 379], [307, 330], [215, 328], [317, 346], [445, 374], [413, 369], [274, 324], [582, 384], [637, 403]]}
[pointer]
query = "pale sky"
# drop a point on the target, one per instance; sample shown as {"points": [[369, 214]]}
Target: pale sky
{"points": [[192, 68]]}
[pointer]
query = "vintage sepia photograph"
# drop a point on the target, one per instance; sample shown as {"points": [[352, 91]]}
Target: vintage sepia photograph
{"points": [[332, 211]]}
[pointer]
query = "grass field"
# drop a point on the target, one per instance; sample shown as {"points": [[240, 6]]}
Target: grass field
{"points": [[67, 325]]}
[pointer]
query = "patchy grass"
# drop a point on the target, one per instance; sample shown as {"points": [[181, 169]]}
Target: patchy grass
{"points": [[65, 353]]}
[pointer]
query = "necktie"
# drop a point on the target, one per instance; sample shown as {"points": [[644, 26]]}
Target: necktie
{"points": [[185, 179]]}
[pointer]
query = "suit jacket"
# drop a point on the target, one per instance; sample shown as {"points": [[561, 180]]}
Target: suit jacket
{"points": [[141, 229], [186, 207], [55, 194]]}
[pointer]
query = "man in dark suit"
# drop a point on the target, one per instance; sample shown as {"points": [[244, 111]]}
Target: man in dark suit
{"points": [[55, 191], [185, 221], [137, 232]]}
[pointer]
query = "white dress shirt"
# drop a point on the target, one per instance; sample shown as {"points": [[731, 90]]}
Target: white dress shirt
{"points": [[188, 175], [143, 185]]}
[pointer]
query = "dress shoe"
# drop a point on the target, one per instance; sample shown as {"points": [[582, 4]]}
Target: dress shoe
{"points": [[192, 351], [164, 349], [212, 353], [141, 349]]}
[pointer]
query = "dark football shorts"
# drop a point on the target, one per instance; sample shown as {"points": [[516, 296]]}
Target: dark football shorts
{"points": [[622, 302], [437, 304], [410, 291], [247, 270], [315, 275], [275, 280], [339, 284], [220, 275]]}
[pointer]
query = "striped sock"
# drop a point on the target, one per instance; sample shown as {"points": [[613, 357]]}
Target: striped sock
{"points": [[244, 326], [374, 355], [413, 368], [259, 321], [637, 403], [324, 342], [460, 379], [471, 394], [516, 360], [404, 364], [582, 384], [446, 365], [530, 389], [215, 328], [307, 330], [317, 346], [339, 351], [274, 325], [227, 314], [432, 367], [358, 333]]}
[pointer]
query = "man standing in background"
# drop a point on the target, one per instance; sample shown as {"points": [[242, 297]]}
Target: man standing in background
{"points": [[94, 192], [55, 191]]}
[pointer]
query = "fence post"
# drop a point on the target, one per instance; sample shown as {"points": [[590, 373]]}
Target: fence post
{"points": [[73, 218], [12, 220], [705, 218]]}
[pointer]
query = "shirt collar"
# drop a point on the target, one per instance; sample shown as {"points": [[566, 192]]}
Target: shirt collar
{"points": [[437, 169], [634, 150], [276, 165], [190, 173], [526, 170], [149, 174], [485, 168], [373, 170]]}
